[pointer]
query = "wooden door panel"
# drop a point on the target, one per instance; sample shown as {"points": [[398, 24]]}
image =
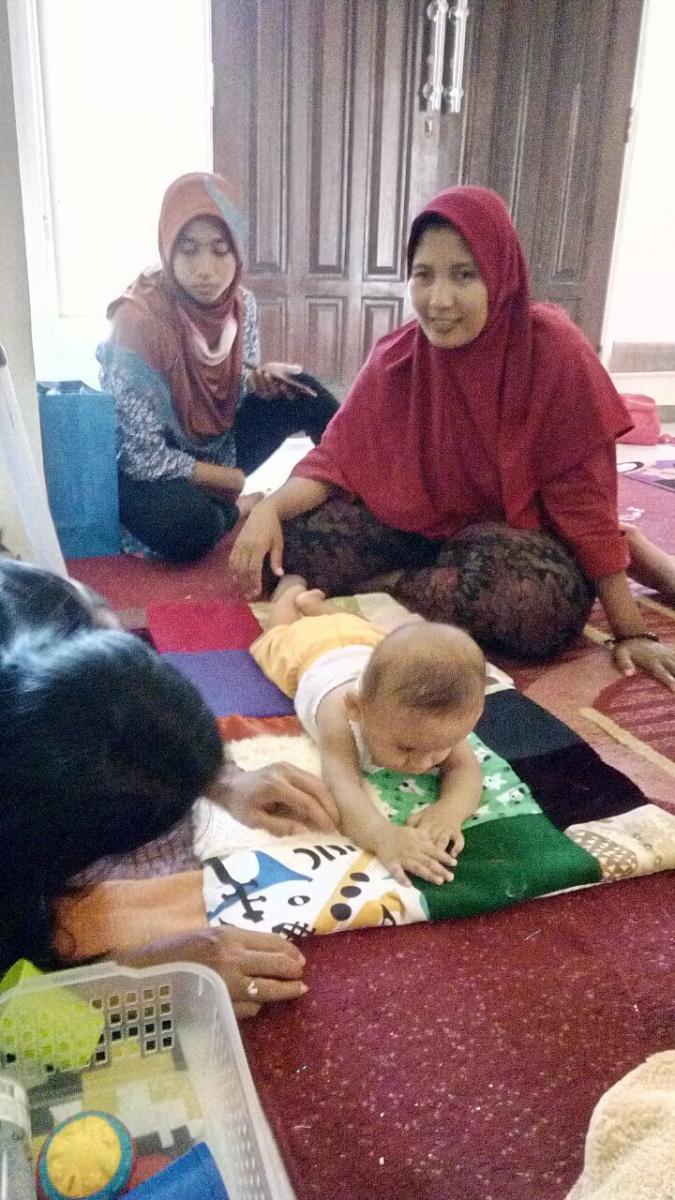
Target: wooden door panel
{"points": [[387, 167], [325, 324], [319, 120], [269, 148], [331, 41], [323, 94], [549, 87], [273, 327], [568, 175], [377, 318], [507, 76]]}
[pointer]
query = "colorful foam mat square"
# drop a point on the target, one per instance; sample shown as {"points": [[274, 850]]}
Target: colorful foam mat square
{"points": [[516, 727], [203, 625], [229, 681], [505, 862]]}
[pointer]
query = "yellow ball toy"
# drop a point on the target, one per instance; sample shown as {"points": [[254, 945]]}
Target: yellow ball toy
{"points": [[88, 1157]]}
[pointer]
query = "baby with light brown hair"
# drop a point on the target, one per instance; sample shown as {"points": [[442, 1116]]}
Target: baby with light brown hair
{"points": [[404, 701]]}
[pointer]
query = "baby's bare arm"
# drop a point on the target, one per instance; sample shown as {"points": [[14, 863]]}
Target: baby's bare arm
{"points": [[461, 781], [459, 797], [399, 849], [341, 771]]}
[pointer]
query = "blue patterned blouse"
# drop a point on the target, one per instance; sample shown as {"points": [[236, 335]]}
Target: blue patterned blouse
{"points": [[151, 443]]}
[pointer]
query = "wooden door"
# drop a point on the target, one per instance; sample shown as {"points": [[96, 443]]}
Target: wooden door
{"points": [[549, 87], [314, 123], [320, 124]]}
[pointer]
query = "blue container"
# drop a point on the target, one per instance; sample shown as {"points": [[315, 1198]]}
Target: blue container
{"points": [[79, 449], [195, 1176]]}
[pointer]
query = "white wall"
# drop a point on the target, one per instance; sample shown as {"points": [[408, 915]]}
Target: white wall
{"points": [[15, 323], [123, 89], [641, 302]]}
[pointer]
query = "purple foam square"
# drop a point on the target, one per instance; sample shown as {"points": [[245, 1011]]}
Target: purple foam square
{"points": [[231, 682]]}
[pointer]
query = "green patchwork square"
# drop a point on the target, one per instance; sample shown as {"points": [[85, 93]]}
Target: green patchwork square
{"points": [[504, 794], [504, 862]]}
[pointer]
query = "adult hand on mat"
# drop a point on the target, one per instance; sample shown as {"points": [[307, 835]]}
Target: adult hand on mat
{"points": [[280, 798], [274, 379], [652, 657], [262, 535], [257, 968]]}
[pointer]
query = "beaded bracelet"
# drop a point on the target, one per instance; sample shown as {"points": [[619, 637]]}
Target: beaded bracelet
{"points": [[632, 637]]}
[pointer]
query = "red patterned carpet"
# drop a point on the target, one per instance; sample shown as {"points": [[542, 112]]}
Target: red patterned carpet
{"points": [[461, 1061], [642, 712], [131, 582]]}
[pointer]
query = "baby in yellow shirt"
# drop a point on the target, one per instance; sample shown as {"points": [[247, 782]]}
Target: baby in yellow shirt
{"points": [[405, 701]]}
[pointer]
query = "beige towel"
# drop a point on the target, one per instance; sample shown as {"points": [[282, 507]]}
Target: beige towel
{"points": [[630, 1145]]}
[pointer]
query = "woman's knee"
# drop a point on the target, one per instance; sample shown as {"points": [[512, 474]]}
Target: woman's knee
{"points": [[520, 592], [319, 555], [174, 518], [318, 409], [539, 619], [340, 545], [188, 540]]}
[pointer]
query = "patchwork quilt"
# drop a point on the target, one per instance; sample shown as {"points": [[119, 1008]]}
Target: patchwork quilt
{"points": [[553, 815]]}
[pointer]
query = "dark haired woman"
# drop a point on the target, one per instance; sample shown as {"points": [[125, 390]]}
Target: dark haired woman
{"points": [[104, 747]]}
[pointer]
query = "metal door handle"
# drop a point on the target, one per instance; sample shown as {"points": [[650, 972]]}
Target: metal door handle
{"points": [[433, 90], [453, 94]]}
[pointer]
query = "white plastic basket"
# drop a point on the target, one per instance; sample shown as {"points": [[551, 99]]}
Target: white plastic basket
{"points": [[177, 1009]]}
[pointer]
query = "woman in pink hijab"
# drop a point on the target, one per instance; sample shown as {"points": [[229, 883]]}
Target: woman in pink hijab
{"points": [[196, 412], [471, 470]]}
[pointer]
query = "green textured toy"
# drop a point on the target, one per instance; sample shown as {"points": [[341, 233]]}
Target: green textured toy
{"points": [[55, 1028], [88, 1157]]}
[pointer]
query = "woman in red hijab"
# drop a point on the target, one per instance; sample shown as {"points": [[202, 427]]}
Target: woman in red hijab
{"points": [[195, 411], [473, 461]]}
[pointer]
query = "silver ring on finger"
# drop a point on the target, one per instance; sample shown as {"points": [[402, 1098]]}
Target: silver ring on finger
{"points": [[252, 989]]}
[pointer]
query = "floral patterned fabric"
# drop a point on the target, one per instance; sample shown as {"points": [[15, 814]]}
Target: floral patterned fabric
{"points": [[519, 592]]}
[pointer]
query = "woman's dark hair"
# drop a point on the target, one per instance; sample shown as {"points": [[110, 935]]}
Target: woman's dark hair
{"points": [[103, 746], [430, 220], [31, 598]]}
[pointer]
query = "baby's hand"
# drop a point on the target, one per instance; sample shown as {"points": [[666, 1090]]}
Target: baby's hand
{"points": [[441, 826], [401, 849]]}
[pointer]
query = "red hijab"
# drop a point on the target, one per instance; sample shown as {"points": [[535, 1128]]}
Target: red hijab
{"points": [[435, 439], [154, 318]]}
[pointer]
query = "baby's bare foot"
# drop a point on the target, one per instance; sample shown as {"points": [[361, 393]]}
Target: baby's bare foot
{"points": [[288, 582], [313, 603]]}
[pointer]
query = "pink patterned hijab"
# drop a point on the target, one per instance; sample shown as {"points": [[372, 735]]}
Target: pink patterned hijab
{"points": [[155, 319]]}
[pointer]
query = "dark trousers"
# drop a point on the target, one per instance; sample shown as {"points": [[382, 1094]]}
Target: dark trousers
{"points": [[518, 591], [262, 425], [180, 521]]}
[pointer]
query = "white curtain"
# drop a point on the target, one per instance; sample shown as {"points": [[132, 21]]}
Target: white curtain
{"points": [[22, 481]]}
